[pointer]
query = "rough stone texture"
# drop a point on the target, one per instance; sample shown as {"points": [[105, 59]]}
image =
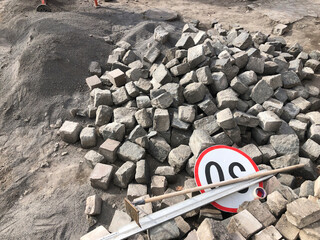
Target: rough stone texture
{"points": [[88, 137], [306, 189], [166, 230], [194, 92], [136, 190], [210, 229], [103, 115], [102, 97], [183, 226], [187, 113], [119, 220], [172, 200], [93, 82], [290, 79], [243, 41], [70, 131], [92, 158], [288, 230], [284, 161], [225, 119], [200, 140], [161, 120], [260, 211], [269, 121], [311, 232], [244, 119], [302, 104], [195, 56], [93, 205], [308, 171], [113, 130], [244, 223], [227, 99], [164, 100], [101, 175], [204, 75], [208, 124], [120, 96], [269, 233], [276, 203], [97, 233], [314, 133], [317, 187], [117, 77], [158, 185], [143, 102], [285, 144], [166, 171], [131, 152], [261, 92], [178, 156], [109, 150], [303, 212], [124, 175], [253, 152], [125, 116], [220, 81], [255, 64], [143, 118], [142, 173], [159, 148], [311, 149]]}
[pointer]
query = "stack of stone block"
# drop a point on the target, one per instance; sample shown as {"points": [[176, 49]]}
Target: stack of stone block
{"points": [[214, 87]]}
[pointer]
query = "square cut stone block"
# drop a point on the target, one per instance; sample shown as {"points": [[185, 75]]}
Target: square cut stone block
{"points": [[93, 205], [70, 131], [303, 212], [93, 82], [101, 175], [109, 150], [158, 185], [117, 77], [97, 233]]}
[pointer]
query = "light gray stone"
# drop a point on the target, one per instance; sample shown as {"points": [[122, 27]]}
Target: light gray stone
{"points": [[276, 203], [177, 123], [195, 56], [176, 92], [225, 119], [204, 75], [120, 96], [119, 220], [166, 230], [243, 41], [261, 92], [207, 105], [125, 116], [187, 113], [211, 229], [227, 99], [158, 185], [273, 105], [141, 175], [269, 121], [102, 97], [151, 55], [256, 64], [209, 124], [288, 230], [284, 161], [238, 86], [113, 130], [290, 79], [161, 75], [109, 150], [92, 158], [253, 152], [311, 149], [103, 115], [270, 233], [70, 131], [131, 152], [88, 137], [299, 127], [220, 81], [244, 119], [161, 120], [93, 205], [194, 92], [101, 175], [164, 100], [306, 189], [131, 89], [166, 171]]}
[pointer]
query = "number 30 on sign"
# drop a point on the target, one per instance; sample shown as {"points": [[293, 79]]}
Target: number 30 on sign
{"points": [[220, 163]]}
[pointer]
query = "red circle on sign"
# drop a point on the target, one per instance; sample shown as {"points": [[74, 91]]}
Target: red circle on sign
{"points": [[196, 171]]}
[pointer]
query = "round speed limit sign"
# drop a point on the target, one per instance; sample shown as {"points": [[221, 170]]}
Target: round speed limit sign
{"points": [[220, 163]]}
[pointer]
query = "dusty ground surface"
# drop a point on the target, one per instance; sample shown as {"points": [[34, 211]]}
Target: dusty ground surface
{"points": [[43, 63]]}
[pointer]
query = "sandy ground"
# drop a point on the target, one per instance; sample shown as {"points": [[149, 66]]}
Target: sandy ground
{"points": [[43, 63]]}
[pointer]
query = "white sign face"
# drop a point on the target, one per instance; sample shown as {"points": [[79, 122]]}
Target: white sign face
{"points": [[221, 163]]}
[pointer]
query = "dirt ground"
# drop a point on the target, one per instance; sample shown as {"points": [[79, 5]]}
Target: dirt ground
{"points": [[44, 59]]}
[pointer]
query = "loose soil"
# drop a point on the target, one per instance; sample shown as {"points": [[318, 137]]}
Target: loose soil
{"points": [[44, 60]]}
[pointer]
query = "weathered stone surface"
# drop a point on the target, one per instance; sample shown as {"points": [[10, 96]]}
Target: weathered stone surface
{"points": [[288, 230], [261, 92], [314, 133], [131, 152], [159, 148], [161, 75], [97, 233], [88, 137], [70, 131], [151, 55], [187, 113], [143, 118], [255, 64], [93, 205], [284, 161], [244, 223], [306, 189], [285, 144], [102, 97], [109, 150], [311, 149], [303, 212], [219, 82], [136, 190], [290, 79], [101, 175], [173, 200], [311, 232], [93, 82], [210, 229], [244, 119], [92, 158], [200, 140], [273, 105], [158, 185], [308, 171], [269, 121], [276, 203], [194, 92], [204, 75], [227, 99], [125, 116], [225, 119], [166, 171], [117, 77], [269, 233], [142, 173], [178, 157], [164, 100], [113, 130], [137, 132], [176, 92], [195, 56], [161, 120], [143, 102], [243, 41], [171, 231], [253, 152], [208, 124], [124, 175]]}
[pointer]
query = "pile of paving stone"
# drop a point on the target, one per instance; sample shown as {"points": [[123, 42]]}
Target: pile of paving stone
{"points": [[215, 87]]}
